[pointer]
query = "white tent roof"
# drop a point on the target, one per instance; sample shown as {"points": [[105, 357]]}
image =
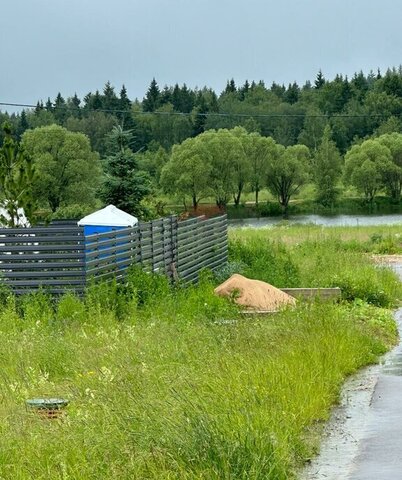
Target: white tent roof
{"points": [[109, 215]]}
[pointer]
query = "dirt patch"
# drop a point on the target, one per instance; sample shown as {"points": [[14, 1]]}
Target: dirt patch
{"points": [[254, 295], [387, 259]]}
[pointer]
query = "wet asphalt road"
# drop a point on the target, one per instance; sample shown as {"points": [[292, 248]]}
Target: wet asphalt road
{"points": [[379, 454], [363, 439]]}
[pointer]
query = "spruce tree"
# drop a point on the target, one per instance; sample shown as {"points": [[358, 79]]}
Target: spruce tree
{"points": [[319, 81], [124, 107], [152, 98], [109, 98], [22, 123], [326, 170], [60, 109], [73, 105], [39, 107], [125, 186], [200, 116], [49, 105]]}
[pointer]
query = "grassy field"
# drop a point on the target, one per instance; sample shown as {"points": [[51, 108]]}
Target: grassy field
{"points": [[173, 383]]}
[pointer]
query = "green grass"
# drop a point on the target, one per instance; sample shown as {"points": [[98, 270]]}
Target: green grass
{"points": [[173, 383], [311, 256]]}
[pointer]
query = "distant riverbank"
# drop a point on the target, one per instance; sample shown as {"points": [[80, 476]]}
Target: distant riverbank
{"points": [[324, 220]]}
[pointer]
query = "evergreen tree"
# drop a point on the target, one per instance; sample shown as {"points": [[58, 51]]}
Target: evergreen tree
{"points": [[152, 100], [243, 91], [176, 98], [278, 90], [125, 185], [359, 86], [213, 104], [200, 116], [326, 169], [60, 108], [292, 94], [319, 81], [93, 101], [39, 107], [22, 124], [230, 86], [73, 106], [124, 114], [49, 105], [109, 98], [187, 99], [166, 95]]}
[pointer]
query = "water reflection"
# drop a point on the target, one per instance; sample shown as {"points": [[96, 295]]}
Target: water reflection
{"points": [[335, 221]]}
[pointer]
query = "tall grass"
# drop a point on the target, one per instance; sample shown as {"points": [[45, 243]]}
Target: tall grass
{"points": [[320, 258], [173, 383]]}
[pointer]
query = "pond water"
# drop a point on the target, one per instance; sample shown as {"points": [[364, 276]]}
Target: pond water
{"points": [[326, 221]]}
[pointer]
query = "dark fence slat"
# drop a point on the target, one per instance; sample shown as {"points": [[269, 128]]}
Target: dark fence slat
{"points": [[41, 257], [44, 248], [42, 230]]}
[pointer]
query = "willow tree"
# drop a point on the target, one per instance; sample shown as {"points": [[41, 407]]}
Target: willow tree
{"points": [[187, 173], [287, 172]]}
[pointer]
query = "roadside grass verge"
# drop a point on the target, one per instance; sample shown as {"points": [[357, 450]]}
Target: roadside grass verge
{"points": [[318, 259], [173, 383]]}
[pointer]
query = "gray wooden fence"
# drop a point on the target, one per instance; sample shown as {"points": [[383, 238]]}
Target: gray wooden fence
{"points": [[62, 258], [50, 257], [201, 244]]}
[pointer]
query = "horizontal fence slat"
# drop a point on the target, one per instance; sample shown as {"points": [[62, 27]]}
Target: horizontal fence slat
{"points": [[50, 230], [41, 265], [43, 248], [41, 257], [213, 264], [48, 290], [111, 234], [34, 239], [32, 283], [194, 247], [109, 241], [46, 274], [109, 251], [115, 267]]}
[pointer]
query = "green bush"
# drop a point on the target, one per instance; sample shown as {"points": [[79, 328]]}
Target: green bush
{"points": [[265, 260]]}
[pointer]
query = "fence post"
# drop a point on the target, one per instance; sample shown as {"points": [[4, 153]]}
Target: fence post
{"points": [[151, 224], [174, 226]]}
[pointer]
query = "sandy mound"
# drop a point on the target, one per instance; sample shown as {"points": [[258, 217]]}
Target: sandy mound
{"points": [[254, 294]]}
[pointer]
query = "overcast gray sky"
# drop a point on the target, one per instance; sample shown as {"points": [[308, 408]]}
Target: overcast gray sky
{"points": [[71, 46]]}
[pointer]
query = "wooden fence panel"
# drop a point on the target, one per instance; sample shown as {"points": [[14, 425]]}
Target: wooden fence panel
{"points": [[62, 258], [52, 258], [201, 243]]}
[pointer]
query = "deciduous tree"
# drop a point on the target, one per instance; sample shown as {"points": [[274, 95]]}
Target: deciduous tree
{"points": [[287, 172], [68, 171], [188, 171]]}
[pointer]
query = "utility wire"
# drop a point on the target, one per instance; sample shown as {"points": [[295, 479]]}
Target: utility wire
{"points": [[219, 114]]}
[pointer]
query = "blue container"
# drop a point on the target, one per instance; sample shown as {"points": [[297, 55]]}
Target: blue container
{"points": [[107, 219]]}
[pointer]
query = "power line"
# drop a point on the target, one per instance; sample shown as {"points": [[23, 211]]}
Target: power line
{"points": [[219, 114]]}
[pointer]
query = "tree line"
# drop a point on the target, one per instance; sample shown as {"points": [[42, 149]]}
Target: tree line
{"points": [[354, 108], [224, 163], [196, 143]]}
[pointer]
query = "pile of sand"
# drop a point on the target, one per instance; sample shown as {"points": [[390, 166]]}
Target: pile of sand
{"points": [[254, 294]]}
